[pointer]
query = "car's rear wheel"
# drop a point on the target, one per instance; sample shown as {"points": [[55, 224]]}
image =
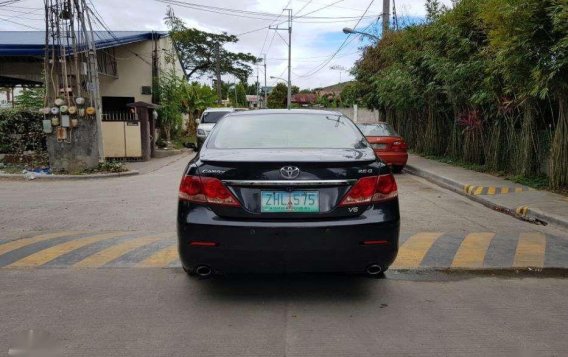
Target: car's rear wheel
{"points": [[397, 169]]}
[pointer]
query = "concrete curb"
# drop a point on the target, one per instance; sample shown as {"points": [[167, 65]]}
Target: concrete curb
{"points": [[531, 214], [20, 177]]}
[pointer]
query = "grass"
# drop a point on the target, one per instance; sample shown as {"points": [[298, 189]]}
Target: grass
{"points": [[103, 168], [12, 168]]}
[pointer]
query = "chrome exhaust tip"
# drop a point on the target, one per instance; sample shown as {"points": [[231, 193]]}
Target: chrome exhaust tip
{"points": [[203, 271], [374, 269]]}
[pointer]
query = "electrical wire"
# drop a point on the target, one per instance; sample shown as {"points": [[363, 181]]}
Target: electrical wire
{"points": [[250, 14], [93, 10], [268, 32], [303, 7], [341, 47], [20, 24]]}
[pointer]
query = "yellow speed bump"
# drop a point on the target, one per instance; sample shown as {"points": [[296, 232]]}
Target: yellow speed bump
{"points": [[49, 254], [531, 249], [473, 248], [162, 258], [20, 243], [413, 251], [114, 252]]}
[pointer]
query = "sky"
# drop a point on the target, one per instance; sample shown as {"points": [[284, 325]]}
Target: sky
{"points": [[313, 41]]}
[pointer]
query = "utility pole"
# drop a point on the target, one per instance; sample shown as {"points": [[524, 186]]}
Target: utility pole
{"points": [[265, 104], [218, 71], [94, 71], [257, 89], [386, 16], [289, 29]]}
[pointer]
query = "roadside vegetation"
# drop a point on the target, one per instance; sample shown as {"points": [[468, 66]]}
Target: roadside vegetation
{"points": [[484, 83]]}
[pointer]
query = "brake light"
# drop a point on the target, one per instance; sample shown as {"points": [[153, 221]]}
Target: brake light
{"points": [[371, 189], [206, 190]]}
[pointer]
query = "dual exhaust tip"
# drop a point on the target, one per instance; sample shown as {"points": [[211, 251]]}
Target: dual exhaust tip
{"points": [[205, 271]]}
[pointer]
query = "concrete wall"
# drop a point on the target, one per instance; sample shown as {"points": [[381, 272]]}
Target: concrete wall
{"points": [[363, 115], [134, 69]]}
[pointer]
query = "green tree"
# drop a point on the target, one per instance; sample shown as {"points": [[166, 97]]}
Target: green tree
{"points": [[278, 97], [241, 96], [476, 82], [198, 51], [31, 99]]}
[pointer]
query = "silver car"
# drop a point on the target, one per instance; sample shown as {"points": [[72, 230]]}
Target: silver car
{"points": [[208, 119]]}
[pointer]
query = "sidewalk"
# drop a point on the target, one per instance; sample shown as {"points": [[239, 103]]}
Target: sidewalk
{"points": [[145, 167], [494, 192]]}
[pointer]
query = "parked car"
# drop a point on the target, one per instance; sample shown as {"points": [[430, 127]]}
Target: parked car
{"points": [[266, 194], [208, 119], [387, 144]]}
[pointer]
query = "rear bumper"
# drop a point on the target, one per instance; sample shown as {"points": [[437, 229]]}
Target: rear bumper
{"points": [[300, 246], [393, 158]]}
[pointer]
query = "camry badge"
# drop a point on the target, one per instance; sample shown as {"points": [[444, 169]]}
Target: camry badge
{"points": [[290, 172]]}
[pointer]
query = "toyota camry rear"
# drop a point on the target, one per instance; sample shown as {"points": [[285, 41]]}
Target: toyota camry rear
{"points": [[287, 191]]}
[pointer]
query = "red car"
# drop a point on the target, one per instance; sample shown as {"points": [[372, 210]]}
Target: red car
{"points": [[387, 144]]}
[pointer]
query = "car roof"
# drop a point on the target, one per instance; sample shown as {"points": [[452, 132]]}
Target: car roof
{"points": [[219, 110], [285, 111]]}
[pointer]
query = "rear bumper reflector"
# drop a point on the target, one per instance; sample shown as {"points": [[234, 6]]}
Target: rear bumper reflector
{"points": [[204, 244], [375, 242]]}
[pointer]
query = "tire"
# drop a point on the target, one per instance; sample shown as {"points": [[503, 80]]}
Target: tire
{"points": [[397, 169]]}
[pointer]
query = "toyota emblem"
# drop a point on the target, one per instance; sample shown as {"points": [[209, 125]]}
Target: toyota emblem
{"points": [[290, 172]]}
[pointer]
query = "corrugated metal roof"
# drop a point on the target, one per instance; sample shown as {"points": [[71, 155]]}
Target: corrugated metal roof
{"points": [[32, 43]]}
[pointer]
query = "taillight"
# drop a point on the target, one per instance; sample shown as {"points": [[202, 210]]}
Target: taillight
{"points": [[206, 190], [386, 188], [399, 146], [371, 189]]}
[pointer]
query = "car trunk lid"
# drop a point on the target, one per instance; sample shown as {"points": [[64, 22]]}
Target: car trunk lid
{"points": [[251, 175]]}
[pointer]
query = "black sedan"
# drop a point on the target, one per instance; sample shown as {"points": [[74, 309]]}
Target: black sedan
{"points": [[287, 191]]}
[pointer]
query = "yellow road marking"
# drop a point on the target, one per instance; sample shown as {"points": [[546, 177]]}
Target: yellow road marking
{"points": [[116, 251], [504, 190], [473, 248], [20, 243], [470, 190], [491, 190], [518, 189], [49, 254], [478, 191], [413, 251], [530, 252], [162, 258]]}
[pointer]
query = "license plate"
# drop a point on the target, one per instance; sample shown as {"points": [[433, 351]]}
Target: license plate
{"points": [[379, 146], [295, 201]]}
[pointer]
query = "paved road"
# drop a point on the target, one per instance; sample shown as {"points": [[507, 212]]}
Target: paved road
{"points": [[121, 225], [159, 312]]}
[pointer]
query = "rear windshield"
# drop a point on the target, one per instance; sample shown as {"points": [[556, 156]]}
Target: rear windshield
{"points": [[213, 117], [382, 129], [286, 131]]}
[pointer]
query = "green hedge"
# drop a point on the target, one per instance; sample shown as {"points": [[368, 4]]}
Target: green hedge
{"points": [[20, 131]]}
